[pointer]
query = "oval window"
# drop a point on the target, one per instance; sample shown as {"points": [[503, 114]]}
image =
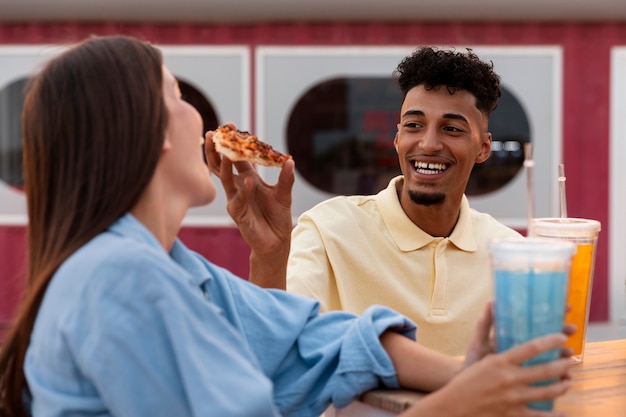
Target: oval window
{"points": [[194, 97], [11, 105], [341, 133], [510, 131]]}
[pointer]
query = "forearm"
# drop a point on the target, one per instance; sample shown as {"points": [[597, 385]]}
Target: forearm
{"points": [[497, 385], [418, 367], [269, 270], [435, 405]]}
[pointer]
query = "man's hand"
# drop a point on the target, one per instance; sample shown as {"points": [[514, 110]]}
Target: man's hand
{"points": [[261, 211]]}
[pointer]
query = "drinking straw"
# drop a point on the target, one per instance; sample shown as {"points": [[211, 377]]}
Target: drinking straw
{"points": [[562, 200], [529, 165]]}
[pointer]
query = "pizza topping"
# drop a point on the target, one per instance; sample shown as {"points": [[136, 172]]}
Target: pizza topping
{"points": [[239, 145]]}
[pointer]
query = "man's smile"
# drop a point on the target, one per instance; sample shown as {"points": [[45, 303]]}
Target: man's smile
{"points": [[430, 168]]}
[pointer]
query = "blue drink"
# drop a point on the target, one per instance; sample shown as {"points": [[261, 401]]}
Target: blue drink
{"points": [[530, 304], [531, 282]]}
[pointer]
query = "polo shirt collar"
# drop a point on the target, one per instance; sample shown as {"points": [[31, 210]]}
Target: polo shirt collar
{"points": [[407, 235], [463, 234]]}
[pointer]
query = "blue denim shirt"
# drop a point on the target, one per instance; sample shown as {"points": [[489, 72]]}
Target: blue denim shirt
{"points": [[127, 329]]}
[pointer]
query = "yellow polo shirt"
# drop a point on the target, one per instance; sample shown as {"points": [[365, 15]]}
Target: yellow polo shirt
{"points": [[351, 252]]}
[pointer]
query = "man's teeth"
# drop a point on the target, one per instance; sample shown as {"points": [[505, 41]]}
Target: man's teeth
{"points": [[429, 167]]}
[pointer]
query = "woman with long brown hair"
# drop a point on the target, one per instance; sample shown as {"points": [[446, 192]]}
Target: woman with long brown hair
{"points": [[121, 319]]}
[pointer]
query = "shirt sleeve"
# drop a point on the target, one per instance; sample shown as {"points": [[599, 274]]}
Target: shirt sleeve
{"points": [[314, 359], [309, 272], [156, 347]]}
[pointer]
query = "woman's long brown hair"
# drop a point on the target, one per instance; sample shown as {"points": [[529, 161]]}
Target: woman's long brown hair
{"points": [[93, 126]]}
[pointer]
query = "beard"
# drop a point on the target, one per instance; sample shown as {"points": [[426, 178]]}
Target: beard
{"points": [[426, 199]]}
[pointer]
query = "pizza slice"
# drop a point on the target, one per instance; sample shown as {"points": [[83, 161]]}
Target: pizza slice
{"points": [[238, 145]]}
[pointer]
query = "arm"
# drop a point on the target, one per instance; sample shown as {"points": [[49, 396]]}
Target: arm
{"points": [[498, 385], [314, 359], [262, 213], [487, 384], [155, 347], [418, 367]]}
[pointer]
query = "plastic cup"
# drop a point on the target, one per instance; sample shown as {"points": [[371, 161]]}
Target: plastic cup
{"points": [[530, 281], [584, 233]]}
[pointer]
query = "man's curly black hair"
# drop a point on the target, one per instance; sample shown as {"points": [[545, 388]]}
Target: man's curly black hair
{"points": [[432, 67]]}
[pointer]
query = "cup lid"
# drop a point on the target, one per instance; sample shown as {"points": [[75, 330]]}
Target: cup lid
{"points": [[531, 249], [565, 227]]}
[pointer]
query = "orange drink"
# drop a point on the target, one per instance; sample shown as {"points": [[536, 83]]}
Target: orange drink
{"points": [[584, 233], [580, 282]]}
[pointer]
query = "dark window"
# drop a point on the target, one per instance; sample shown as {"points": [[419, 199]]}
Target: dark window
{"points": [[510, 130], [11, 104], [341, 133], [194, 97]]}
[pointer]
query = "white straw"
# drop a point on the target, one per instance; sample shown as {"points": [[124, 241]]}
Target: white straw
{"points": [[529, 166], [562, 199]]}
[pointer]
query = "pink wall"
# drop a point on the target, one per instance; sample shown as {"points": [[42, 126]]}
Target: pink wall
{"points": [[585, 127], [12, 270]]}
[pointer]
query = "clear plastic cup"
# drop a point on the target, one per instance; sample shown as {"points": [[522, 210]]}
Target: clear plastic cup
{"points": [[530, 282], [584, 233]]}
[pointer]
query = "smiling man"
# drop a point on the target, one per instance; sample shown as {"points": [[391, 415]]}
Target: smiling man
{"points": [[416, 246]]}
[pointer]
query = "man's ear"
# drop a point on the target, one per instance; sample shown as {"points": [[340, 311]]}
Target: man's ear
{"points": [[485, 148], [395, 139]]}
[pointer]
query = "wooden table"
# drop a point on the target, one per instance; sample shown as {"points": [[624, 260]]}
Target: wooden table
{"points": [[598, 389], [599, 383]]}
